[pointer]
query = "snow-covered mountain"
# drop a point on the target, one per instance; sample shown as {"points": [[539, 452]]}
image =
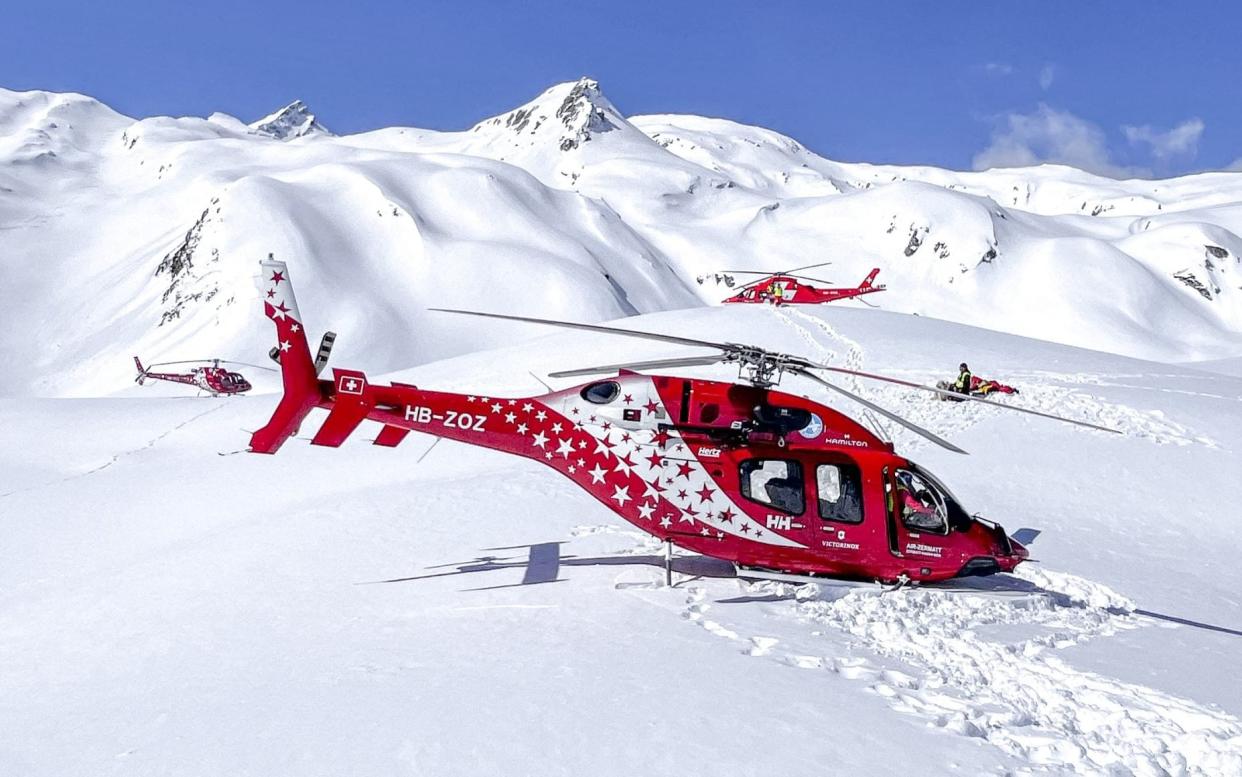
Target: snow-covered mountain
{"points": [[292, 121], [121, 236], [167, 606]]}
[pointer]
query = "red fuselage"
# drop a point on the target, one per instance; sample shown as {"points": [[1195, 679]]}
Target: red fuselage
{"points": [[787, 290], [215, 380], [751, 475]]}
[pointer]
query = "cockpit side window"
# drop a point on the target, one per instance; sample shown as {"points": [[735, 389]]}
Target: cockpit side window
{"points": [[959, 519], [840, 492], [921, 504], [601, 393], [774, 482]]}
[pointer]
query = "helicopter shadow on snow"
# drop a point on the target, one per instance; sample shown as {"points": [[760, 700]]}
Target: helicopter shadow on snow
{"points": [[544, 560], [543, 563]]}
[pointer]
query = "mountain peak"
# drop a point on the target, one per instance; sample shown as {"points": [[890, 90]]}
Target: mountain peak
{"points": [[292, 121], [574, 111]]}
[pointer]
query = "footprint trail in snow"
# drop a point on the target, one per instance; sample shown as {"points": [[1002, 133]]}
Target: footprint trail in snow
{"points": [[986, 667]]}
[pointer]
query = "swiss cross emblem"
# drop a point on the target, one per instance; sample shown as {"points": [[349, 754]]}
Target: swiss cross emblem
{"points": [[349, 384]]}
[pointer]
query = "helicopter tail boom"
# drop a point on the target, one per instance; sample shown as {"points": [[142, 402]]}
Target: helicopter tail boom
{"points": [[867, 285], [301, 384]]}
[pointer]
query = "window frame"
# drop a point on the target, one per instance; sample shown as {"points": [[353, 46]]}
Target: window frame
{"points": [[935, 488], [743, 479], [616, 391], [844, 469]]}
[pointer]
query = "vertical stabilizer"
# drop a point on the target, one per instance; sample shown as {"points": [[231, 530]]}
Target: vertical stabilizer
{"points": [[301, 386]]}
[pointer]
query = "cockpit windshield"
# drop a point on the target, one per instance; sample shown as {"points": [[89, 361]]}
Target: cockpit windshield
{"points": [[926, 504]]}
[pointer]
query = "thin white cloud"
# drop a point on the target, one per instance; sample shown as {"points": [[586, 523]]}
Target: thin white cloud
{"points": [[1047, 74], [998, 69], [1181, 141], [1048, 135]]}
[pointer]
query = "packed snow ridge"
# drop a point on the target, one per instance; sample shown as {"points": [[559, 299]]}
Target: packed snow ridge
{"points": [[563, 207]]}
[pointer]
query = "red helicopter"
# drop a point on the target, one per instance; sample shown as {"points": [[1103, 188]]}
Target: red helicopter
{"points": [[786, 288], [213, 379], [775, 483]]}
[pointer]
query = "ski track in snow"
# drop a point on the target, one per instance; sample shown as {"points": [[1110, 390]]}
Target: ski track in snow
{"points": [[117, 456], [1037, 394], [932, 661]]}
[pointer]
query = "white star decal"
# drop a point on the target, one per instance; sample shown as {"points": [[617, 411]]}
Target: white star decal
{"points": [[469, 399], [645, 511], [521, 428], [565, 448], [601, 446], [621, 494], [284, 345], [527, 407], [540, 416], [572, 469], [556, 428], [597, 474], [665, 522], [496, 407], [548, 455], [278, 313], [540, 439], [295, 328], [510, 417]]}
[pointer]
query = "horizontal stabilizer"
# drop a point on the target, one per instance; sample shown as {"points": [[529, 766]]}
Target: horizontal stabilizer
{"points": [[349, 408], [391, 436]]}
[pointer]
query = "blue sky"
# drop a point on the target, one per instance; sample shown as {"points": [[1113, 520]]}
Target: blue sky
{"points": [[1134, 88]]}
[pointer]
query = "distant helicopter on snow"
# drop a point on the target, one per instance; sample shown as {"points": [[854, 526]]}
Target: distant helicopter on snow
{"points": [[786, 288], [213, 379]]}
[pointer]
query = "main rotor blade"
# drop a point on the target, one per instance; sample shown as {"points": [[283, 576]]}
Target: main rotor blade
{"points": [[955, 395], [768, 274], [805, 278], [212, 361], [943, 443], [182, 361], [654, 364], [593, 328], [805, 267]]}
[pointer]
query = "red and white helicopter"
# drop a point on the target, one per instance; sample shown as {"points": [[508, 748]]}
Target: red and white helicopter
{"points": [[786, 288], [213, 379], [775, 483]]}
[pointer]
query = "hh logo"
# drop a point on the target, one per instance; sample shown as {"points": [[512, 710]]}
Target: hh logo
{"points": [[782, 522], [350, 384]]}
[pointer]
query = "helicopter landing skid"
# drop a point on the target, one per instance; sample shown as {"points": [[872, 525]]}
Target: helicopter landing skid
{"points": [[902, 584]]}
